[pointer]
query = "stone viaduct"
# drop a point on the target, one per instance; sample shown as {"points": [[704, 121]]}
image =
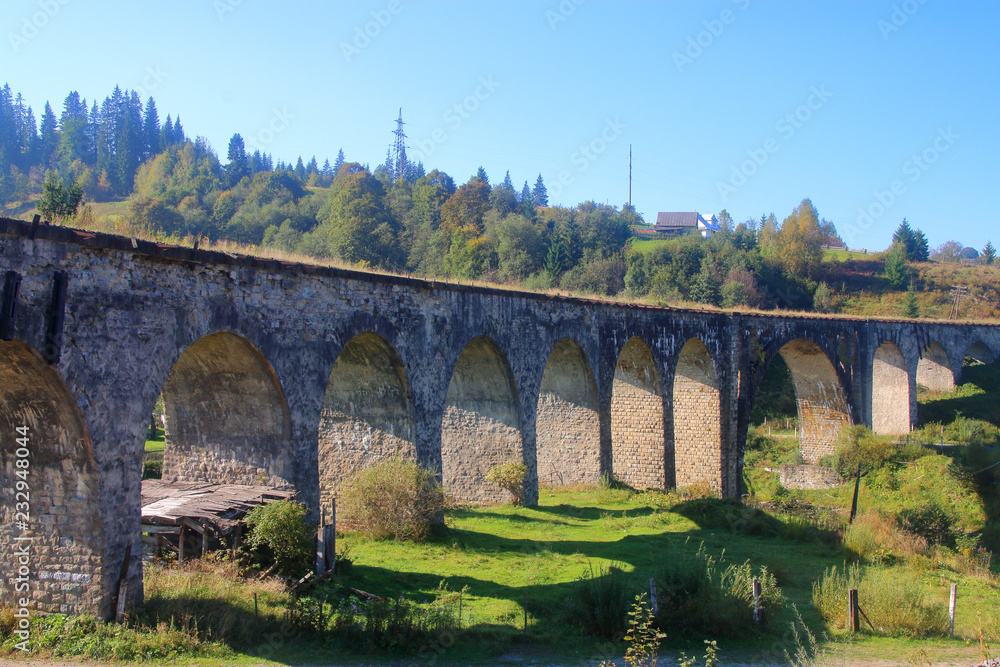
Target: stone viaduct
{"points": [[296, 375]]}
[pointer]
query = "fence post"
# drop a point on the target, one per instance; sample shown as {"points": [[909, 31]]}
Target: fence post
{"points": [[320, 550], [757, 615], [653, 602], [951, 610], [852, 610]]}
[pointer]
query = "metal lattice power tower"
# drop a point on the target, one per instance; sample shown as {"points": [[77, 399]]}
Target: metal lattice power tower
{"points": [[399, 161]]}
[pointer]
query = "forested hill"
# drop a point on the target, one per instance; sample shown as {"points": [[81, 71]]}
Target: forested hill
{"points": [[116, 167]]}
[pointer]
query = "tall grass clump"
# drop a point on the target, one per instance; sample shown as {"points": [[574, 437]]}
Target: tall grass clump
{"points": [[393, 499], [599, 604], [892, 599], [703, 595]]}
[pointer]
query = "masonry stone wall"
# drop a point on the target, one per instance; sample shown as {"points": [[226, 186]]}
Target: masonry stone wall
{"points": [[480, 428], [225, 419], [890, 390], [367, 413], [133, 308], [697, 420], [638, 443], [934, 369], [822, 406], [567, 420], [50, 527]]}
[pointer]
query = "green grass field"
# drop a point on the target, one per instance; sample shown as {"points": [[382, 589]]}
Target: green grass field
{"points": [[503, 556]]}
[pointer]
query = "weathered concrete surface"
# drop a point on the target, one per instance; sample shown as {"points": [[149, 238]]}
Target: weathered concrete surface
{"points": [[334, 368]]}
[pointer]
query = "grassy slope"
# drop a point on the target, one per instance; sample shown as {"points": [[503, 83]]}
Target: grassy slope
{"points": [[502, 553]]}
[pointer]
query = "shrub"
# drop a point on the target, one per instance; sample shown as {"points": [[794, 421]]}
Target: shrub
{"points": [[698, 596], [892, 599], [858, 445], [393, 499], [599, 604], [877, 538], [152, 469], [510, 476], [929, 522], [279, 533]]}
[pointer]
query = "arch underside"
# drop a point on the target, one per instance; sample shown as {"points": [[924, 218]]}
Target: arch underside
{"points": [[367, 413], [58, 479], [567, 428], [638, 454], [819, 398], [480, 426], [934, 368], [225, 418], [697, 418]]}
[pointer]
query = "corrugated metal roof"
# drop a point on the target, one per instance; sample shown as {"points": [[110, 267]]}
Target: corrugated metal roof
{"points": [[675, 220]]}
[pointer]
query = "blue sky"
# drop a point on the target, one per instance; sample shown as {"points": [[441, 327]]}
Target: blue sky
{"points": [[876, 110]]}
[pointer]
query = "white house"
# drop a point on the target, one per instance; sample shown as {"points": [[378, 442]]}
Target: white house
{"points": [[682, 223]]}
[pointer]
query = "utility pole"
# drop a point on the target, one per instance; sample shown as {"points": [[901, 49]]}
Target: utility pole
{"points": [[957, 292]]}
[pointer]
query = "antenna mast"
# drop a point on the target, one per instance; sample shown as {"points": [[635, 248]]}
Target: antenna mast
{"points": [[630, 175], [399, 157]]}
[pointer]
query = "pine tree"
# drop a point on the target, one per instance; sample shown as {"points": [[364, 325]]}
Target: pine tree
{"points": [[989, 253], [48, 139], [151, 129], [178, 135], [895, 266], [706, 287], [167, 134], [921, 250], [481, 176], [910, 306], [238, 163], [540, 195], [338, 163], [300, 169], [904, 234], [557, 260]]}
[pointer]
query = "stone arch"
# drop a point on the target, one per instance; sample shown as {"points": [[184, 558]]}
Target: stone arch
{"points": [[480, 426], [225, 417], [638, 444], [890, 391], [367, 412], [934, 368], [568, 436], [819, 398], [697, 417], [980, 351], [63, 534]]}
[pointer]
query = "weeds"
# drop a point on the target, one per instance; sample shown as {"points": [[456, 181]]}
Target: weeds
{"points": [[892, 598]]}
